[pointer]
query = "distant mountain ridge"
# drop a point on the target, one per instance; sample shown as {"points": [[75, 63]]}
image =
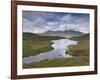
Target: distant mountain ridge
{"points": [[65, 33]]}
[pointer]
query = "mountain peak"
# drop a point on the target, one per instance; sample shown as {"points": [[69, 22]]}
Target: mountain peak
{"points": [[65, 32]]}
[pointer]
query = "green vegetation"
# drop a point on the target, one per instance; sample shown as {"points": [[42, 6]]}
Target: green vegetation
{"points": [[81, 50], [34, 44], [80, 53], [58, 63]]}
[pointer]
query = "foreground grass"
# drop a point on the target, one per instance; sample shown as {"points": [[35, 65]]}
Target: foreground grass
{"points": [[34, 44], [59, 63], [79, 52]]}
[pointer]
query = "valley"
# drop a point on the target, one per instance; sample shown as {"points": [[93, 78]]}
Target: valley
{"points": [[34, 44]]}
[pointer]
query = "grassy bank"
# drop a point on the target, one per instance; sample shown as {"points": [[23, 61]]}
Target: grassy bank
{"points": [[34, 44], [79, 51]]}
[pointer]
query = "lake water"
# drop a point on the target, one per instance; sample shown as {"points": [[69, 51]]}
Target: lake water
{"points": [[60, 47]]}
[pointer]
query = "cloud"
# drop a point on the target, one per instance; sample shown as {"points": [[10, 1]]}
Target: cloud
{"points": [[77, 23], [39, 22], [39, 29], [67, 17], [27, 25]]}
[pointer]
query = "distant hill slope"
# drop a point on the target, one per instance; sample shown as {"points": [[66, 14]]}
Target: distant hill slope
{"points": [[27, 35], [85, 36], [66, 33]]}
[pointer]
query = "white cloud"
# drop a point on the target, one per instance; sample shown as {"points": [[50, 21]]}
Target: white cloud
{"points": [[39, 30], [39, 23], [27, 26], [66, 17]]}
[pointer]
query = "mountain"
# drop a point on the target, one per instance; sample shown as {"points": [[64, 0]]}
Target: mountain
{"points": [[65, 33]]}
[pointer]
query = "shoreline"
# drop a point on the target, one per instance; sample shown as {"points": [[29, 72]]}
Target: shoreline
{"points": [[34, 44], [79, 51]]}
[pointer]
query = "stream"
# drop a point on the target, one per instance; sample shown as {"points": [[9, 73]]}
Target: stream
{"points": [[60, 47]]}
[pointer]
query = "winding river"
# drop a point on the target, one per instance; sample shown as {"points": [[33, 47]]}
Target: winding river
{"points": [[60, 47]]}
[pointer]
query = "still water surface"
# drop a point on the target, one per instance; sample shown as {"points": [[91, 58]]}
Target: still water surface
{"points": [[60, 47]]}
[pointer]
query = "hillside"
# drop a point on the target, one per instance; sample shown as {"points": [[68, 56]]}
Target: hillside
{"points": [[81, 50], [34, 44], [83, 37], [29, 36], [65, 33]]}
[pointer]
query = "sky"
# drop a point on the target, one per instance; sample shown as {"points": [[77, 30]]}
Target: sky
{"points": [[40, 22]]}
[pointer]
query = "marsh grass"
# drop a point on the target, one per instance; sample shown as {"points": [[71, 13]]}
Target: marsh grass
{"points": [[80, 53]]}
